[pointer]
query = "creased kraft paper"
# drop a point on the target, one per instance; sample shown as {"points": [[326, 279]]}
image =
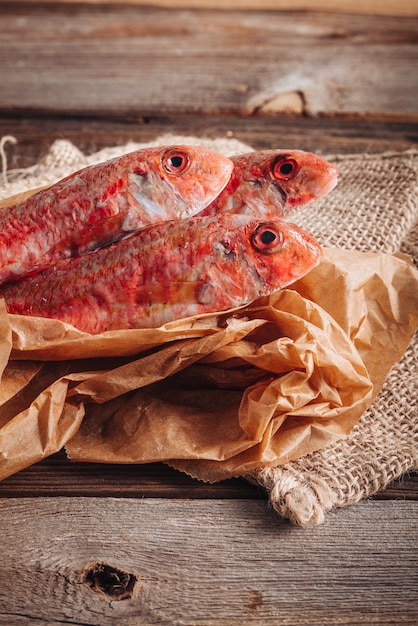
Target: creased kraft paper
{"points": [[218, 395]]}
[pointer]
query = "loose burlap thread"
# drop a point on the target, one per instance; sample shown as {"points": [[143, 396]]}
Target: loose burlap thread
{"points": [[374, 208]]}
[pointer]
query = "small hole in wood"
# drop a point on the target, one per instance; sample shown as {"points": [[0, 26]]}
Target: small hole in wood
{"points": [[110, 581]]}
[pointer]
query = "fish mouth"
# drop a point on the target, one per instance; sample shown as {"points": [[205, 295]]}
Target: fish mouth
{"points": [[330, 185], [319, 188]]}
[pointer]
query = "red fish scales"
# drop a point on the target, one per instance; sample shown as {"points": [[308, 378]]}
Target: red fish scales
{"points": [[168, 271], [104, 203]]}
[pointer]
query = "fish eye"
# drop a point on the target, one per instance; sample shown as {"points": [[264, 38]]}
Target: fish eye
{"points": [[284, 169], [175, 162], [267, 238]]}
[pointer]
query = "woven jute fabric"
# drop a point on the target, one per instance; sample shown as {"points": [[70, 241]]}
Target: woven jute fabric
{"points": [[373, 208]]}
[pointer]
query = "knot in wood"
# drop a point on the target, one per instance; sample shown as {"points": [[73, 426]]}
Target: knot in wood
{"points": [[110, 581]]}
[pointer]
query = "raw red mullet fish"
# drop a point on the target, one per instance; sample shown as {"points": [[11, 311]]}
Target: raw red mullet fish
{"points": [[168, 271], [274, 183], [103, 203]]}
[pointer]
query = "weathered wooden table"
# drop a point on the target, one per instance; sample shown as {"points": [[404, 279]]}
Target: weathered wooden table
{"points": [[130, 545]]}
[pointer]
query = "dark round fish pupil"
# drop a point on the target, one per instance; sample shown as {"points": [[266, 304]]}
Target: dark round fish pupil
{"points": [[286, 168], [267, 237], [176, 161]]}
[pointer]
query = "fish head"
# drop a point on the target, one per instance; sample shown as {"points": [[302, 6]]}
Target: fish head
{"points": [[175, 182], [277, 182], [281, 253], [256, 258]]}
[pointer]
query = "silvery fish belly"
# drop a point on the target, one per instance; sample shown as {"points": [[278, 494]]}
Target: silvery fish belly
{"points": [[106, 202], [274, 183], [168, 271]]}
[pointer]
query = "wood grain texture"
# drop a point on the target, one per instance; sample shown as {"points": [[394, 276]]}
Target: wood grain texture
{"points": [[371, 7], [35, 134], [56, 476], [139, 60], [204, 562]]}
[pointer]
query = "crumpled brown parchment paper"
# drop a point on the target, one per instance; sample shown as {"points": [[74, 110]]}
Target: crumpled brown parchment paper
{"points": [[222, 394], [218, 395]]}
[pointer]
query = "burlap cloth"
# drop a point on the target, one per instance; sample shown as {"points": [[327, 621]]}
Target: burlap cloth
{"points": [[374, 208]]}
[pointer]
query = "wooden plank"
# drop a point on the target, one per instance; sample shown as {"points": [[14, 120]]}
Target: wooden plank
{"points": [[56, 476], [125, 562], [404, 488], [371, 7], [323, 136], [143, 60]]}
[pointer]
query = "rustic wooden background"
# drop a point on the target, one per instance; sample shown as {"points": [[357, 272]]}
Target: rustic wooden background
{"points": [[129, 545]]}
